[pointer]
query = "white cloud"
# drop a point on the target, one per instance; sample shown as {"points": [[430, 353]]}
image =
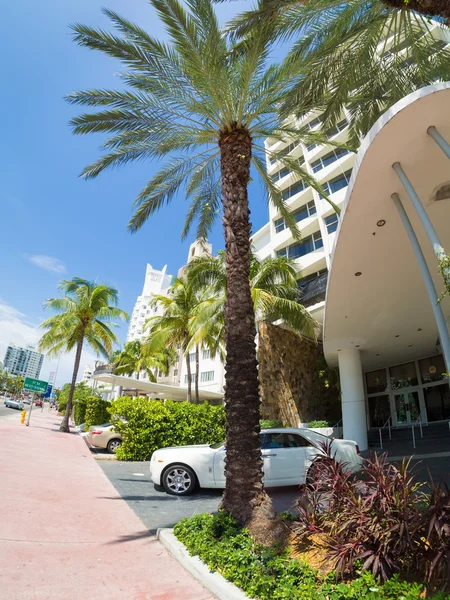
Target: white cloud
{"points": [[16, 328], [49, 263]]}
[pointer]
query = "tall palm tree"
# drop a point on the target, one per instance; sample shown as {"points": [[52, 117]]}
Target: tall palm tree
{"points": [[273, 287], [206, 105], [363, 55], [134, 358], [86, 311], [172, 329]]}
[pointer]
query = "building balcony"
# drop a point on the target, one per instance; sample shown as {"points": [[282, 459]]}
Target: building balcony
{"points": [[314, 290], [103, 369]]}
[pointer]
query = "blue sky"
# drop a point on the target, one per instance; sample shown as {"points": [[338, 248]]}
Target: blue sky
{"points": [[54, 225]]}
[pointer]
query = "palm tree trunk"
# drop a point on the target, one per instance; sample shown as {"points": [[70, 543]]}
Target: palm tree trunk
{"points": [[430, 8], [197, 369], [189, 382], [244, 496], [65, 422]]}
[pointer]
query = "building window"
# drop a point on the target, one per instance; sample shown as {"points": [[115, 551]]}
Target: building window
{"points": [[311, 147], [376, 382], [309, 244], [175, 373], [313, 124], [337, 183], [293, 189], [331, 223], [306, 211], [192, 378], [206, 354], [279, 225], [192, 357], [432, 369], [403, 376], [206, 376], [328, 159], [280, 174], [337, 128]]}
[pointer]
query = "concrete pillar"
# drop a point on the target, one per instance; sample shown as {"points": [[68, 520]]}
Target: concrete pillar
{"points": [[353, 404], [117, 392]]}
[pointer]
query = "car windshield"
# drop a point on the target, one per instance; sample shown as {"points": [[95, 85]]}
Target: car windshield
{"points": [[216, 446]]}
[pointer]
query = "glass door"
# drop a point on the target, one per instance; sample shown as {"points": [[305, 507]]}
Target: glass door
{"points": [[407, 406]]}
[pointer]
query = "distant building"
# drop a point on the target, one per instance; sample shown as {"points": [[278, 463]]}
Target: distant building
{"points": [[155, 283], [25, 362], [87, 374]]}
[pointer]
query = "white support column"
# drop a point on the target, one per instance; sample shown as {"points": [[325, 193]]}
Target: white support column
{"points": [[428, 280], [353, 403], [440, 141], [423, 215], [118, 392]]}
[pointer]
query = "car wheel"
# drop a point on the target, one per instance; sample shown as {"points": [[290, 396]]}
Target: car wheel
{"points": [[179, 480], [113, 445]]}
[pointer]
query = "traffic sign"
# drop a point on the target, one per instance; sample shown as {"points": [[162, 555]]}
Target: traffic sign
{"points": [[48, 393], [35, 385]]}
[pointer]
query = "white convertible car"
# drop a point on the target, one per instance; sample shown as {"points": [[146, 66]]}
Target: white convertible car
{"points": [[287, 455]]}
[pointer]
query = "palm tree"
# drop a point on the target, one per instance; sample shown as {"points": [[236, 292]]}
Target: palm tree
{"points": [[206, 105], [360, 55], [85, 314], [134, 358], [172, 329], [273, 287]]}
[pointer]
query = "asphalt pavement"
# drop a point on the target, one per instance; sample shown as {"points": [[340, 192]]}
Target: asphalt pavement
{"points": [[157, 509]]}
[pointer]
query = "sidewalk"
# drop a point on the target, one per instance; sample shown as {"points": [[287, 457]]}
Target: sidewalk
{"points": [[65, 533]]}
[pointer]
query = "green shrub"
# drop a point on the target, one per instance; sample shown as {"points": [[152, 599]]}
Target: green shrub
{"points": [[268, 424], [318, 424], [97, 411], [270, 574], [80, 411], [147, 425]]}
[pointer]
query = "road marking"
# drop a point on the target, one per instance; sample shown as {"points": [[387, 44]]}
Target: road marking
{"points": [[139, 474]]}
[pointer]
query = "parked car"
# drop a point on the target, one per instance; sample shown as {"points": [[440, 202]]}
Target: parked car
{"points": [[18, 404], [81, 428], [26, 400], [287, 457], [104, 436]]}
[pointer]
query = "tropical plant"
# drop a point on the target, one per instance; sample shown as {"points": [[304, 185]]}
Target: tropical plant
{"points": [[97, 411], [86, 311], [172, 329], [13, 384], [273, 288], [360, 55], [136, 357], [207, 105], [383, 522], [444, 271]]}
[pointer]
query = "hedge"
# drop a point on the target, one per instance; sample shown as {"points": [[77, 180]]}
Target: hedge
{"points": [[270, 574], [147, 425], [97, 412]]}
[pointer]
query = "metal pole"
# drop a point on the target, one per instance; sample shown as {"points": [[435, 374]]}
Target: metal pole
{"points": [[414, 436], [381, 439], [423, 215], [440, 141], [389, 427], [420, 425], [436, 306], [31, 406]]}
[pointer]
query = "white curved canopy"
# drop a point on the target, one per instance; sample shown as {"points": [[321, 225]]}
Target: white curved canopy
{"points": [[385, 311]]}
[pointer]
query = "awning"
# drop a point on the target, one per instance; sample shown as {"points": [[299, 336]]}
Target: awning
{"points": [[158, 390]]}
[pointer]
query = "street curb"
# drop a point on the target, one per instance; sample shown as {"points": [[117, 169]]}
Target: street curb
{"points": [[212, 581]]}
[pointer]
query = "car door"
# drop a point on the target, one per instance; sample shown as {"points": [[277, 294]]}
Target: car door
{"points": [[219, 467], [285, 457]]}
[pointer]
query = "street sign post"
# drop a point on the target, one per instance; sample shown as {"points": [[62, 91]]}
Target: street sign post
{"points": [[35, 385]]}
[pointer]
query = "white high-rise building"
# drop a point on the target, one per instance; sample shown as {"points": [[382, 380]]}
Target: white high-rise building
{"points": [[25, 362], [156, 283]]}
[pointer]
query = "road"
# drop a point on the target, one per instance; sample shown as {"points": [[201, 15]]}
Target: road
{"points": [[157, 509]]}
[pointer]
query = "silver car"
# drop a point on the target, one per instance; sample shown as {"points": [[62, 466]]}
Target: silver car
{"points": [[17, 404]]}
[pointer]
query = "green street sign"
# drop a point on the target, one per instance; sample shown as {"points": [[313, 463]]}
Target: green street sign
{"points": [[35, 385]]}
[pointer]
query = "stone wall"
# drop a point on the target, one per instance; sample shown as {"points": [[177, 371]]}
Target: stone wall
{"points": [[296, 386]]}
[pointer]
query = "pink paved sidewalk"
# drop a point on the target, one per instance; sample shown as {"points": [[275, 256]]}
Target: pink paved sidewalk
{"points": [[66, 534]]}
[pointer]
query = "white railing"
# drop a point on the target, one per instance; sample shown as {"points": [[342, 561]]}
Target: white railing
{"points": [[419, 420], [388, 425]]}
